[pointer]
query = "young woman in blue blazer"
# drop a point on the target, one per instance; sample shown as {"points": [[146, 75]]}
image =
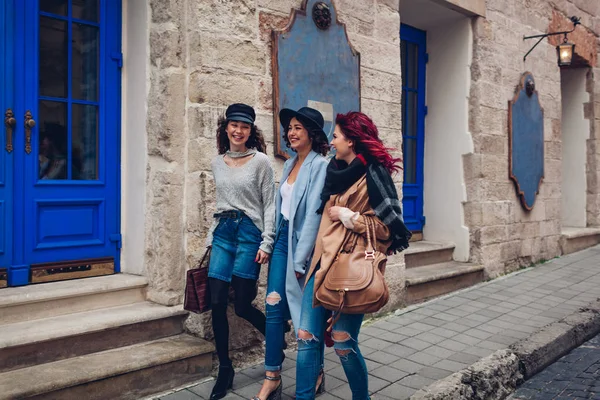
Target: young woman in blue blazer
{"points": [[297, 222]]}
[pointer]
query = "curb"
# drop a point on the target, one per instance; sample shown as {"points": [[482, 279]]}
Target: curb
{"points": [[497, 376]]}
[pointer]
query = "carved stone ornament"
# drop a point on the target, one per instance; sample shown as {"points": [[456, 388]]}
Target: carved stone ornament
{"points": [[321, 15], [313, 66], [526, 141]]}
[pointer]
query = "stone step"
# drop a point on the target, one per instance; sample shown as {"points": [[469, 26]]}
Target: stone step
{"points": [[24, 344], [126, 373], [435, 280], [426, 253], [46, 300], [577, 239]]}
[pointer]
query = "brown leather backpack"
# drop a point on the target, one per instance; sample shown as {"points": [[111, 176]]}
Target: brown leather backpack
{"points": [[354, 284]]}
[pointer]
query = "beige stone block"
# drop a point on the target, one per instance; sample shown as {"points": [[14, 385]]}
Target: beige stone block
{"points": [[387, 24], [377, 55], [494, 234], [494, 144], [166, 115], [526, 248], [473, 212], [553, 150], [550, 228], [550, 190], [284, 6], [165, 258], [217, 88], [356, 25], [224, 51], [392, 4], [552, 209], [383, 114], [203, 121], [226, 16], [553, 171], [491, 253], [496, 191], [364, 10], [495, 168], [495, 213], [201, 151], [264, 122], [510, 250], [473, 167], [491, 94], [166, 10], [381, 86], [166, 48]]}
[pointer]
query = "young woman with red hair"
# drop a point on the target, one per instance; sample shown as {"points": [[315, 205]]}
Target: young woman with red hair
{"points": [[358, 186]]}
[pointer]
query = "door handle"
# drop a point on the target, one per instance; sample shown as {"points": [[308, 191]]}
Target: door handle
{"points": [[10, 122], [29, 123]]}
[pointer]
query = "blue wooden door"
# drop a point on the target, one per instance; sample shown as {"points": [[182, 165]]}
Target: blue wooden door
{"points": [[67, 143], [413, 60], [7, 16]]}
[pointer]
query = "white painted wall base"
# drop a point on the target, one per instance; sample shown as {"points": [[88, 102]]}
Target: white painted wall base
{"points": [[575, 133], [447, 135], [133, 134]]}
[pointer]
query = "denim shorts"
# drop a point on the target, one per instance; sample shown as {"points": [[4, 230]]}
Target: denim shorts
{"points": [[236, 241]]}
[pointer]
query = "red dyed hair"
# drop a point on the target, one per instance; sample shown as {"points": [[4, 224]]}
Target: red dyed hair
{"points": [[359, 128]]}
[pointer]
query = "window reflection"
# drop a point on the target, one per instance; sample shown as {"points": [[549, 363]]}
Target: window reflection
{"points": [[53, 140]]}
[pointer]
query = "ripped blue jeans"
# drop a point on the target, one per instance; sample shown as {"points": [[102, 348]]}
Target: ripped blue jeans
{"points": [[310, 351]]}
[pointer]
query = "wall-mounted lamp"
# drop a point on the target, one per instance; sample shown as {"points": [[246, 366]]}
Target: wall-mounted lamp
{"points": [[564, 50]]}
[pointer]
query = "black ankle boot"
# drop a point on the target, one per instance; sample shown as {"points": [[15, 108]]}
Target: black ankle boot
{"points": [[224, 382]]}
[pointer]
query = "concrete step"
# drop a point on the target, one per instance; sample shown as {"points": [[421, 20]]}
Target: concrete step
{"points": [[435, 280], [24, 344], [46, 300], [426, 253], [126, 373], [577, 239]]}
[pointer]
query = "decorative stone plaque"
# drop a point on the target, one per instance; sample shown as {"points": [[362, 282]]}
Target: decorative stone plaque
{"points": [[314, 65], [526, 141]]}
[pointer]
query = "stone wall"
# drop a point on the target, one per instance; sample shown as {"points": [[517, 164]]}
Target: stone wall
{"points": [[503, 235], [204, 56]]}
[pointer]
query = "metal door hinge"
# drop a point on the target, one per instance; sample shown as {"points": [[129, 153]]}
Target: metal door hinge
{"points": [[425, 110], [118, 57], [426, 58], [423, 220], [117, 238]]}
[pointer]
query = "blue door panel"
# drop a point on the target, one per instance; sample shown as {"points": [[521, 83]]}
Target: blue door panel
{"points": [[413, 46], [6, 158], [66, 188]]}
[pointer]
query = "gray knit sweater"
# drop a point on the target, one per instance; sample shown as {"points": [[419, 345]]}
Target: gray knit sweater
{"points": [[249, 188]]}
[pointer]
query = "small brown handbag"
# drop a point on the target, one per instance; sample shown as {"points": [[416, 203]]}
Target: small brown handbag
{"points": [[197, 293], [354, 283]]}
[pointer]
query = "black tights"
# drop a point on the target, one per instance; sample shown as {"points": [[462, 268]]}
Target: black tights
{"points": [[245, 292]]}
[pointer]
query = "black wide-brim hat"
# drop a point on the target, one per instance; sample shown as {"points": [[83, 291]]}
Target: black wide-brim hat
{"points": [[309, 117]]}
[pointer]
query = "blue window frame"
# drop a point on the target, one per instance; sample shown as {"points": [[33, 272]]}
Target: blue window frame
{"points": [[413, 61]]}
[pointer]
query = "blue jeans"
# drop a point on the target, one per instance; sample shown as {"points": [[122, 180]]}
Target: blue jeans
{"points": [[276, 302], [310, 352], [236, 241]]}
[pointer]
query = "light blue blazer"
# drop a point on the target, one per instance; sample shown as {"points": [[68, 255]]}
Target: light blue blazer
{"points": [[303, 224]]}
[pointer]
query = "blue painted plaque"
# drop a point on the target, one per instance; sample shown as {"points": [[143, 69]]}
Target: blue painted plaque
{"points": [[526, 141], [314, 65]]}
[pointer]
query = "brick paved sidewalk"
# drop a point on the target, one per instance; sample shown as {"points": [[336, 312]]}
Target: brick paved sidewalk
{"points": [[574, 376], [424, 343]]}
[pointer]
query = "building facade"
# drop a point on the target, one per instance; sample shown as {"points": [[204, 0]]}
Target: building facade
{"points": [[111, 109]]}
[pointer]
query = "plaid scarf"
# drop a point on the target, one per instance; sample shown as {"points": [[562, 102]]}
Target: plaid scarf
{"points": [[383, 197]]}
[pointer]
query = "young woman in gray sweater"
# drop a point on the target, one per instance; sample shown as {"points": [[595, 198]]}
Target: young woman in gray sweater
{"points": [[243, 230]]}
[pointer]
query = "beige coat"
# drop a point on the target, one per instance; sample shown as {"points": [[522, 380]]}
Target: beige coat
{"points": [[331, 233]]}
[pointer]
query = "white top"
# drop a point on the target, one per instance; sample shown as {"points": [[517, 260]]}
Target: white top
{"points": [[286, 198]]}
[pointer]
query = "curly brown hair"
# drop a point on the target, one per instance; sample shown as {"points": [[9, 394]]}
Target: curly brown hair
{"points": [[255, 141], [319, 143]]}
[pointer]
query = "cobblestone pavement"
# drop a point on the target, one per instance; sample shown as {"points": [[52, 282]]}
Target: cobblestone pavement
{"points": [[574, 376], [424, 343]]}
